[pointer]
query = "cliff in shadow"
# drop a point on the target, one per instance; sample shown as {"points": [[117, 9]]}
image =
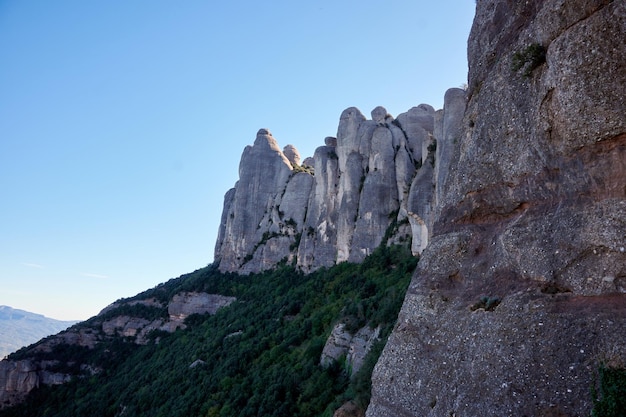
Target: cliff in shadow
{"points": [[519, 299]]}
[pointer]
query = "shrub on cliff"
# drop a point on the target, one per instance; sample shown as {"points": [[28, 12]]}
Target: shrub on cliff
{"points": [[260, 355]]}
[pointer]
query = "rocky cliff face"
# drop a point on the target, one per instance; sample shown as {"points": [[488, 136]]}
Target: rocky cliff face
{"points": [[514, 194], [353, 348], [374, 183], [520, 294]]}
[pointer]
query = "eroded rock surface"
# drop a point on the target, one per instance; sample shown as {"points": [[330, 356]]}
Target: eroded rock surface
{"points": [[351, 347], [531, 218], [375, 180], [185, 304]]}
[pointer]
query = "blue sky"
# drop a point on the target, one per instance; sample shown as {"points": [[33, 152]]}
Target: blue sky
{"points": [[122, 122]]}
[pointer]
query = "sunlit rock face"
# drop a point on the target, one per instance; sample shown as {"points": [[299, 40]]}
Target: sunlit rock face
{"points": [[520, 294], [251, 209], [373, 183]]}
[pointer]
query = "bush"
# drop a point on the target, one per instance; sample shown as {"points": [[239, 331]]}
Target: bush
{"points": [[261, 353], [610, 401], [529, 59]]}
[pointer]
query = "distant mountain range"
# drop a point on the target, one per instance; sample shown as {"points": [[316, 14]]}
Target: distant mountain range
{"points": [[19, 328]]}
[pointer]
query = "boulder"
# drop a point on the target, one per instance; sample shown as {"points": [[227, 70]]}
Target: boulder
{"points": [[292, 154]]}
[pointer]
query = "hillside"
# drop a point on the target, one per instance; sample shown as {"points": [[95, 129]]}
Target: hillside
{"points": [[19, 328], [276, 350]]}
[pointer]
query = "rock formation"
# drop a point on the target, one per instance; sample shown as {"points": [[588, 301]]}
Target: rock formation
{"points": [[184, 304], [125, 318], [375, 180], [351, 347], [519, 296], [514, 194], [18, 378]]}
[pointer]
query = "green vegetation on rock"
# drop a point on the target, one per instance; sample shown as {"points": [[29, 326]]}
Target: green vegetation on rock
{"points": [[610, 399], [260, 356], [528, 59]]}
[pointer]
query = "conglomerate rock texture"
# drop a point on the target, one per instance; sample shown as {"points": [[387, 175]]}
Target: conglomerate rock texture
{"points": [[520, 295]]}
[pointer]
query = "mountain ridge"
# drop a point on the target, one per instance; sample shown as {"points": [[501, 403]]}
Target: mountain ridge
{"points": [[19, 328], [279, 341]]}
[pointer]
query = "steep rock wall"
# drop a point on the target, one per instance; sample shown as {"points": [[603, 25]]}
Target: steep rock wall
{"points": [[520, 294], [343, 202]]}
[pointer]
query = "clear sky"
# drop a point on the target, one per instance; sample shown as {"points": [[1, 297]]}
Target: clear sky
{"points": [[122, 122]]}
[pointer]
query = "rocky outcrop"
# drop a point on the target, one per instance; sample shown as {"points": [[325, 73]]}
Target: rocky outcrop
{"points": [[341, 344], [181, 306], [256, 232], [363, 186], [520, 294], [185, 304], [18, 378], [135, 320]]}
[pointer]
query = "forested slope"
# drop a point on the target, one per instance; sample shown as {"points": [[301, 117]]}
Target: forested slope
{"points": [[259, 356]]}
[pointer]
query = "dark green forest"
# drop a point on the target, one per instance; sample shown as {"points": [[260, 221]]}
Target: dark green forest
{"points": [[257, 357]]}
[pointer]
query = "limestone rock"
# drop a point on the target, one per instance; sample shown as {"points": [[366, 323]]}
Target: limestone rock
{"points": [[263, 174], [197, 363], [380, 115], [317, 244], [418, 117], [309, 162], [78, 337], [379, 197], [124, 326], [450, 137], [53, 378], [337, 345], [227, 212], [421, 206], [527, 214], [360, 346]]}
